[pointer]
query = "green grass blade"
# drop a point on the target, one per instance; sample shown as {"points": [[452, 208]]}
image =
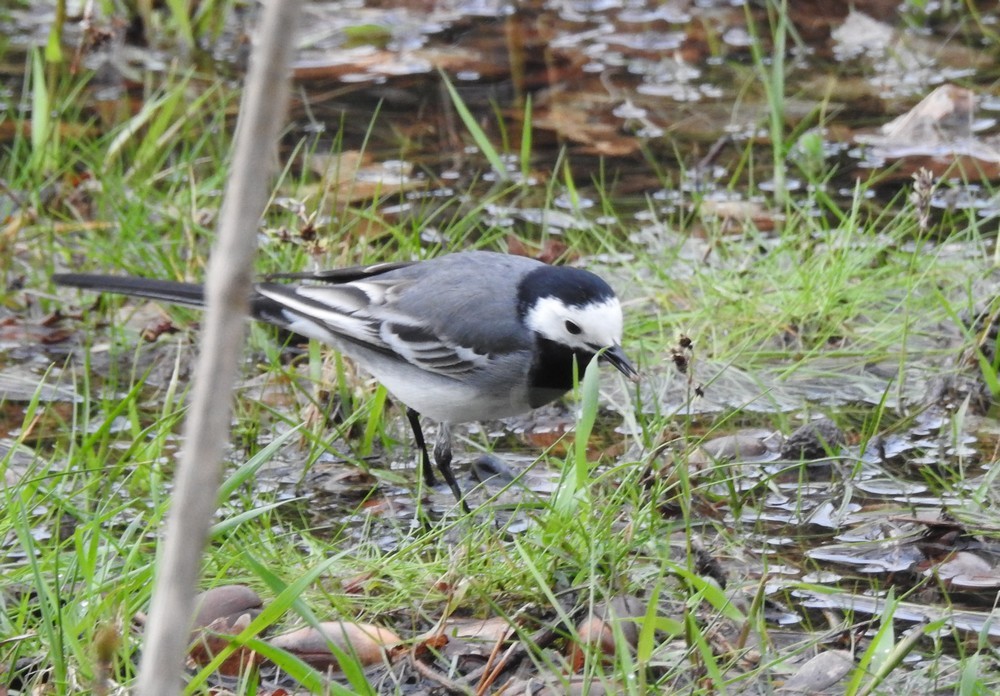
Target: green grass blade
{"points": [[249, 468], [526, 140], [41, 114], [477, 133]]}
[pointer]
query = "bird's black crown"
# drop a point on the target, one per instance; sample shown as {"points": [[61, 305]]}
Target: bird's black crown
{"points": [[573, 286]]}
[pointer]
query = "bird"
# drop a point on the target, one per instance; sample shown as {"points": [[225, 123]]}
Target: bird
{"points": [[462, 337]]}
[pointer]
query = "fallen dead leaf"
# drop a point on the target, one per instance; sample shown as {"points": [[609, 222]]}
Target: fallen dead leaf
{"points": [[596, 632], [365, 642], [819, 673]]}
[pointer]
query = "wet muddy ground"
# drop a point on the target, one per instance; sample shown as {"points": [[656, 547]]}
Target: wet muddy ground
{"points": [[850, 466]]}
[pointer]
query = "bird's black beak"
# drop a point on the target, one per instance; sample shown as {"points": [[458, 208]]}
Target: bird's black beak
{"points": [[615, 356]]}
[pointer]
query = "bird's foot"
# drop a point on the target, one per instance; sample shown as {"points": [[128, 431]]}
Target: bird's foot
{"points": [[426, 469], [442, 457]]}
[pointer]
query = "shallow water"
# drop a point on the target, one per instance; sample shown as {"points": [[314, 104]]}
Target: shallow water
{"points": [[659, 109]]}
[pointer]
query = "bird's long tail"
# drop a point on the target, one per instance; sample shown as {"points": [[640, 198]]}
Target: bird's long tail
{"points": [[163, 290], [191, 294]]}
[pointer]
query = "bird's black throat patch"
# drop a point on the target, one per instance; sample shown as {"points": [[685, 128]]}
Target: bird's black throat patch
{"points": [[551, 376]]}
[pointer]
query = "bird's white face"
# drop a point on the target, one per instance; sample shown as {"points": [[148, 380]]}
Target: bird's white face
{"points": [[589, 327]]}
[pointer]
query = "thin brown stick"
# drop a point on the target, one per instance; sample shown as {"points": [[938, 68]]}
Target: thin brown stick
{"points": [[227, 290], [431, 674]]}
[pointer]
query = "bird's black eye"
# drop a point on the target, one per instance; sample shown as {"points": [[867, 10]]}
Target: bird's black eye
{"points": [[573, 328]]}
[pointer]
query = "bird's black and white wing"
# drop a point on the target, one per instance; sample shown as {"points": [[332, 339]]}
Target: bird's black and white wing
{"points": [[364, 314], [342, 275]]}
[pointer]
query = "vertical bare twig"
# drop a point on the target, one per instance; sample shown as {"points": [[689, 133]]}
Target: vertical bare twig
{"points": [[227, 291]]}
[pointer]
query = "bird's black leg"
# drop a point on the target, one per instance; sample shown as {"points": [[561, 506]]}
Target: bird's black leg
{"points": [[442, 457], [418, 435]]}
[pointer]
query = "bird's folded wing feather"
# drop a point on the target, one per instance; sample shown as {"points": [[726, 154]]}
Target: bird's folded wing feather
{"points": [[362, 313], [342, 275]]}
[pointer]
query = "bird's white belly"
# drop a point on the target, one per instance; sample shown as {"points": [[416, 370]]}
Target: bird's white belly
{"points": [[444, 399], [450, 401]]}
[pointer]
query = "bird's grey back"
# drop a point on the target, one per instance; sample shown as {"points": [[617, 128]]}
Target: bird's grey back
{"points": [[470, 298]]}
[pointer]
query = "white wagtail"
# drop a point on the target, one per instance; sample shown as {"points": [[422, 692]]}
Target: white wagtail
{"points": [[469, 336]]}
